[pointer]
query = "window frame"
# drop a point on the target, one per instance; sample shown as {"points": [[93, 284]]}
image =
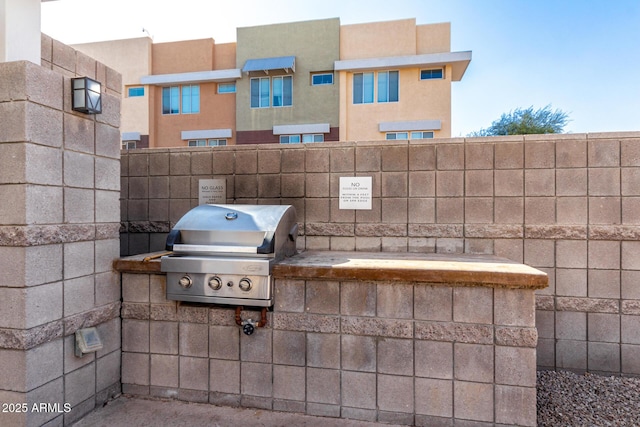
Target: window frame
{"points": [[422, 133], [290, 139], [322, 83], [408, 135], [285, 85], [431, 70], [212, 142], [364, 91], [385, 87], [136, 89], [172, 98], [227, 84], [315, 137], [176, 97], [397, 136], [190, 93], [260, 96]]}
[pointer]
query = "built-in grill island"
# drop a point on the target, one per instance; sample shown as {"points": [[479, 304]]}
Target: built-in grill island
{"points": [[224, 254]]}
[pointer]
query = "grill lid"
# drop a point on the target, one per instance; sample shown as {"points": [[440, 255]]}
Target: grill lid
{"points": [[247, 229]]}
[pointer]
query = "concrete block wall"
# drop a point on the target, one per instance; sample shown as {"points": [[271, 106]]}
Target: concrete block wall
{"points": [[402, 353], [59, 227], [566, 204]]}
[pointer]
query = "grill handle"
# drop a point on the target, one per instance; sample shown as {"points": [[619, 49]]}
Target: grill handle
{"points": [[172, 239], [268, 244], [293, 233]]}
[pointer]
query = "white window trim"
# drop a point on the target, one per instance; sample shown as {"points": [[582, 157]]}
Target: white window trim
{"points": [[375, 87]]}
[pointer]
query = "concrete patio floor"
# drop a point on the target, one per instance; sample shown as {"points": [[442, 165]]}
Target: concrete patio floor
{"points": [[137, 412]]}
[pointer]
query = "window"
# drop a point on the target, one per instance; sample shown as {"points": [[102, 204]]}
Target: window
{"points": [[414, 135], [263, 87], [190, 99], [227, 87], [422, 135], [136, 91], [312, 137], [397, 135], [289, 139], [205, 142], [128, 145], [217, 142], [436, 73], [282, 89], [306, 138], [260, 92], [363, 88], [388, 86], [171, 100], [322, 79]]}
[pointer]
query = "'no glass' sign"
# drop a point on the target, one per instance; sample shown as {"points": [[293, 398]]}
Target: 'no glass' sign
{"points": [[355, 192]]}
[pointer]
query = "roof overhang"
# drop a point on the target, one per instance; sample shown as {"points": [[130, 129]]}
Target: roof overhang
{"points": [[285, 63], [459, 62], [303, 128], [214, 76], [130, 136], [410, 126], [205, 134]]}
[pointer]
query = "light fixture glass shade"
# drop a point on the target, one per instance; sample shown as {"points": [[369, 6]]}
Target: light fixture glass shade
{"points": [[86, 95]]}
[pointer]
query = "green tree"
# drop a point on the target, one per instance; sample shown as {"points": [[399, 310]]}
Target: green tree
{"points": [[526, 121]]}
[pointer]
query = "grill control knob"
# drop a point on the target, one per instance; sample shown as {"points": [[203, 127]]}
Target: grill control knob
{"points": [[185, 282], [245, 284], [215, 283]]}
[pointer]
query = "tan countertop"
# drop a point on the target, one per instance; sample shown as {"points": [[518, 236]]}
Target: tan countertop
{"points": [[458, 269]]}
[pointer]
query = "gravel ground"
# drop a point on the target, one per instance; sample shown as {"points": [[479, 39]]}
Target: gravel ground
{"points": [[568, 399]]}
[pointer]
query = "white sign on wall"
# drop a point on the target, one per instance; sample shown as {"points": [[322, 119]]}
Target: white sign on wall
{"points": [[355, 192], [212, 191]]}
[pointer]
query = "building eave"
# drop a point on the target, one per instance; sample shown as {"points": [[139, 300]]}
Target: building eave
{"points": [[214, 76], [459, 62]]}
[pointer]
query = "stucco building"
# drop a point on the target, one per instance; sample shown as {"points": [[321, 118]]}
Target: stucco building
{"points": [[299, 82]]}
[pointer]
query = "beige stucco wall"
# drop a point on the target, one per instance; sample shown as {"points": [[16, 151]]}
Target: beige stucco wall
{"points": [[378, 39], [315, 44], [418, 99], [433, 38], [132, 58]]}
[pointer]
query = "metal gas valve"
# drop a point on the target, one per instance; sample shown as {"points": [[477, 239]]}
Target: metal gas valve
{"points": [[249, 325]]}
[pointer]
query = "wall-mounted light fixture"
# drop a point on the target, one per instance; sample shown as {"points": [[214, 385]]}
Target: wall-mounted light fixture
{"points": [[87, 341], [86, 96]]}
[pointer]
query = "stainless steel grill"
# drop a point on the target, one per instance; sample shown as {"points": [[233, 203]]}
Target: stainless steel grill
{"points": [[224, 254]]}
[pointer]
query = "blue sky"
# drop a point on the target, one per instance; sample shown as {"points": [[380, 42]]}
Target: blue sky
{"points": [[580, 56]]}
